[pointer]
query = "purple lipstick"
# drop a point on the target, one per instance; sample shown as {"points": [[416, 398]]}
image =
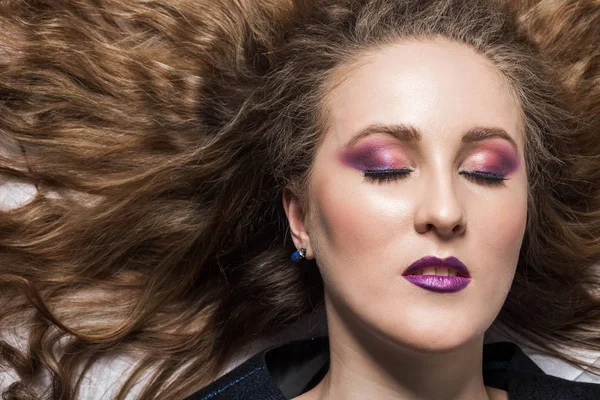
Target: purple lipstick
{"points": [[459, 279]]}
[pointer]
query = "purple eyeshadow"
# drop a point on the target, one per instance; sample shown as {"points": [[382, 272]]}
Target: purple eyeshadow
{"points": [[496, 160], [372, 157]]}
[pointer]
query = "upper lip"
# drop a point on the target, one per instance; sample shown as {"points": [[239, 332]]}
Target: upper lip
{"points": [[430, 261]]}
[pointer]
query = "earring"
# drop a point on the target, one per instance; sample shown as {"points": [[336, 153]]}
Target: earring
{"points": [[298, 255]]}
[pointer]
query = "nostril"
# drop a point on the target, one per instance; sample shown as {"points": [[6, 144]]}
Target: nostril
{"points": [[458, 228]]}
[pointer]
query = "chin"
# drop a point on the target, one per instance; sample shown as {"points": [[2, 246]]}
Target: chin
{"points": [[439, 346], [434, 336]]}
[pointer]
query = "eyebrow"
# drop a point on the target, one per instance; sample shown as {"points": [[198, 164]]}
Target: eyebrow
{"points": [[410, 134]]}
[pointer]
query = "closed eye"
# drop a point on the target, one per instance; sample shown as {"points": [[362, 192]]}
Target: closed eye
{"points": [[486, 178], [385, 175]]}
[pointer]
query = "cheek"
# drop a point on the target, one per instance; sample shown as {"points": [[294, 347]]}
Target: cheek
{"points": [[354, 233], [497, 240], [510, 221], [499, 229], [351, 223]]}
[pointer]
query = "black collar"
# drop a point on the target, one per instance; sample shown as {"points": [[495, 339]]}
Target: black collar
{"points": [[298, 366], [285, 371]]}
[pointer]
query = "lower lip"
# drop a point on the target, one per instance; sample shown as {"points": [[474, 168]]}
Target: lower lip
{"points": [[439, 284]]}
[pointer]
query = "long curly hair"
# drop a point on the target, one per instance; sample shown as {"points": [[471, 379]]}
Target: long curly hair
{"points": [[160, 135]]}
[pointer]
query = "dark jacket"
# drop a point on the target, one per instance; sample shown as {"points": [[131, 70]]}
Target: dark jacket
{"points": [[285, 371]]}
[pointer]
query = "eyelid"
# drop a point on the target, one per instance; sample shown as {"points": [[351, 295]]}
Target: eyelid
{"points": [[376, 153], [496, 160]]}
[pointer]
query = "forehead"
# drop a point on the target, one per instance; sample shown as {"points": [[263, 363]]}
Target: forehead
{"points": [[435, 85]]}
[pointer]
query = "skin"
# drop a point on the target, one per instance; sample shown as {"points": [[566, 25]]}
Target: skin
{"points": [[389, 338]]}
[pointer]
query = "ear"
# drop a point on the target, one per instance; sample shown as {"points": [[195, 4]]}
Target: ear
{"points": [[296, 218]]}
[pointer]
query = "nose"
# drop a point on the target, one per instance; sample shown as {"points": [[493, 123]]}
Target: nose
{"points": [[440, 210]]}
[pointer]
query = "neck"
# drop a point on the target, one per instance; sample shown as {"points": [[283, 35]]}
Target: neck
{"points": [[364, 366]]}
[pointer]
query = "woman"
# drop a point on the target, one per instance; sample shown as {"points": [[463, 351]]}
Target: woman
{"points": [[420, 169], [389, 141]]}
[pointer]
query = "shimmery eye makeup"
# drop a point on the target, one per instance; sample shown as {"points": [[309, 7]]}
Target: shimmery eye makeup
{"points": [[492, 160], [375, 155], [490, 164], [383, 160]]}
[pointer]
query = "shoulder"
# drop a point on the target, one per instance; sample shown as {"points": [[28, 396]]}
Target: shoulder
{"points": [[528, 386], [506, 366]]}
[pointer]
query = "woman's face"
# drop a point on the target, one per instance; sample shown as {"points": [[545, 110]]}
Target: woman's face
{"points": [[423, 157]]}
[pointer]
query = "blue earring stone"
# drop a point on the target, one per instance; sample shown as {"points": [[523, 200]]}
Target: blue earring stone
{"points": [[298, 255]]}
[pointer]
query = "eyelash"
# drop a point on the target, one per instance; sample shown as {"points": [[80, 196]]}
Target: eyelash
{"points": [[385, 175], [486, 178]]}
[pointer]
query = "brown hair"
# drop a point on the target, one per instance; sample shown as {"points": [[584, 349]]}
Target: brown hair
{"points": [[160, 136], [568, 33]]}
